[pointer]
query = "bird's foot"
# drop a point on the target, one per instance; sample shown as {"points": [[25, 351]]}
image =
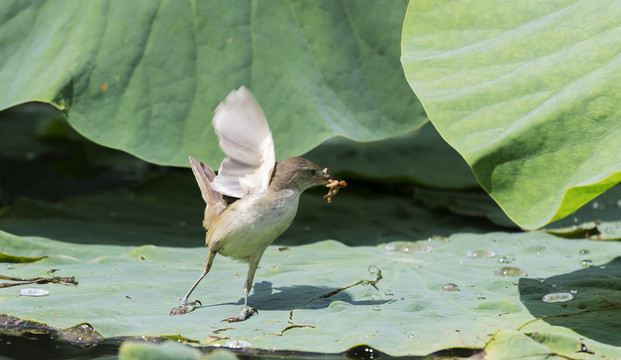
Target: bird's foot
{"points": [[245, 314], [185, 307]]}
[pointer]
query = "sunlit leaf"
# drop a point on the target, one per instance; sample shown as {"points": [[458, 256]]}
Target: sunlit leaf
{"points": [[527, 92]]}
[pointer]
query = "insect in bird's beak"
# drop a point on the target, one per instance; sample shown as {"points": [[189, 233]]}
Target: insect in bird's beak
{"points": [[333, 184]]}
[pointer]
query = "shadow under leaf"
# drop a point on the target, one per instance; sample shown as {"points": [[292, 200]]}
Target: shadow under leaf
{"points": [[595, 309]]}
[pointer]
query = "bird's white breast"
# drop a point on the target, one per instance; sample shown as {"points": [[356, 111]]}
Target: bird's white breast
{"points": [[250, 224]]}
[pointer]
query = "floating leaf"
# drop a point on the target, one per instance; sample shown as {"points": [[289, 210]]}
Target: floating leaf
{"points": [[137, 351], [129, 290], [19, 259]]}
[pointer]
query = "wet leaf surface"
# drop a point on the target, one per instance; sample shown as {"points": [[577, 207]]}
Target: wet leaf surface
{"points": [[305, 295]]}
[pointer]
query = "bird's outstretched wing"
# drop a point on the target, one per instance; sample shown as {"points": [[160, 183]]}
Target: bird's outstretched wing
{"points": [[246, 139], [204, 177]]}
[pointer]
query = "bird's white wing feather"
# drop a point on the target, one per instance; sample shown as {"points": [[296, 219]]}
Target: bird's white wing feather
{"points": [[246, 139]]}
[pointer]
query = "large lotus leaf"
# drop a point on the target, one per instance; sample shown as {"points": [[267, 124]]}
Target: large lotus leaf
{"points": [[128, 291], [145, 76], [527, 92]]}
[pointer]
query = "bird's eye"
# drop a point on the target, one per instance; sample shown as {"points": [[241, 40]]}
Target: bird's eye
{"points": [[312, 172]]}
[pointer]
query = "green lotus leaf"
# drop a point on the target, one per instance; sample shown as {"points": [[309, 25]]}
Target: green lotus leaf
{"points": [[137, 351], [318, 293], [19, 259], [514, 345], [517, 345], [527, 92], [145, 76]]}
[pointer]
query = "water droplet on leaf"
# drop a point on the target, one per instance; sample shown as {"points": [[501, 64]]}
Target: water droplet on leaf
{"points": [[237, 344], [557, 297], [438, 237], [586, 263], [450, 287], [33, 292], [407, 247], [507, 259], [480, 254], [509, 271]]}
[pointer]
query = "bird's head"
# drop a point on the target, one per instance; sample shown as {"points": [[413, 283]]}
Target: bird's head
{"points": [[298, 173]]}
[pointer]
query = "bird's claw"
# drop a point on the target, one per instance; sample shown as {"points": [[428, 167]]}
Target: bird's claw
{"points": [[185, 307], [244, 315]]}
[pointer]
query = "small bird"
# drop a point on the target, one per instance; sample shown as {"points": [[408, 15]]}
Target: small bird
{"points": [[268, 192]]}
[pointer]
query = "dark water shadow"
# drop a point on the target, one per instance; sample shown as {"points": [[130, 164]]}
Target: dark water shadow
{"points": [[362, 215], [266, 297], [595, 310]]}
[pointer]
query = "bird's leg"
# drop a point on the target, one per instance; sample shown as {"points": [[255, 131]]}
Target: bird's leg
{"points": [[248, 311], [186, 306]]}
